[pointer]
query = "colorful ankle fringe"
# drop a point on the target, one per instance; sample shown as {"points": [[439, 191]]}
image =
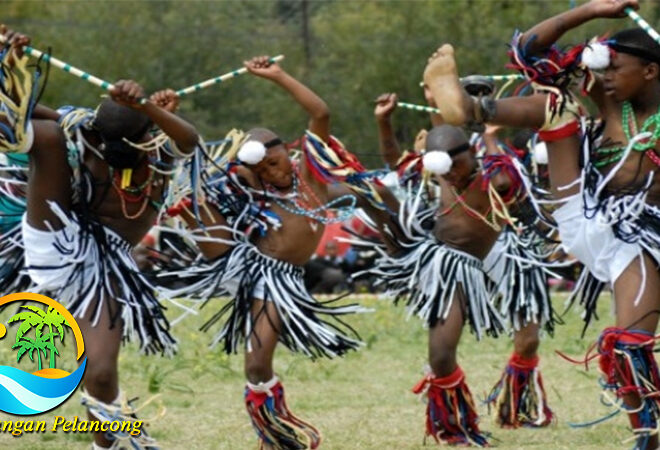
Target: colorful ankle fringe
{"points": [[121, 410], [272, 420], [629, 367], [451, 416], [519, 397]]}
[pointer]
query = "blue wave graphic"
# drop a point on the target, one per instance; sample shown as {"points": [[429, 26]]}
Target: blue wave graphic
{"points": [[25, 394]]}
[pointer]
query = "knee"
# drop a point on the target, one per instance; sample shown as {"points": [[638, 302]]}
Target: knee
{"points": [[101, 381]]}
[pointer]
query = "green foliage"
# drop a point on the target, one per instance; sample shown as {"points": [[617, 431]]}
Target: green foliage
{"points": [[352, 52]]}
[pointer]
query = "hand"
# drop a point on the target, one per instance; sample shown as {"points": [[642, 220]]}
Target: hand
{"points": [[166, 99], [491, 130], [127, 93], [611, 8], [385, 106], [17, 42], [420, 140], [262, 67]]}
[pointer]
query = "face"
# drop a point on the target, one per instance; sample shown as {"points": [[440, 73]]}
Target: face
{"points": [[626, 77], [275, 169], [462, 168]]}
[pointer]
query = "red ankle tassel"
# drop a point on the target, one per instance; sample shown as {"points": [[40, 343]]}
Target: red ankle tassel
{"points": [[519, 397], [451, 416], [275, 424]]}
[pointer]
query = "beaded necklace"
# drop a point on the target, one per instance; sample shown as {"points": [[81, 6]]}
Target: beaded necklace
{"points": [[132, 194], [313, 210], [613, 154]]}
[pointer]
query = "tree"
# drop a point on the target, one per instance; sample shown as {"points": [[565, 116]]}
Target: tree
{"points": [[37, 318]]}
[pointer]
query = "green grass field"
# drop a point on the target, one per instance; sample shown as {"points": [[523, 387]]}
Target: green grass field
{"points": [[362, 401]]}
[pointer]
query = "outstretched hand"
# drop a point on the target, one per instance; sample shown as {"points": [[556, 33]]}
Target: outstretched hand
{"points": [[127, 93], [612, 8], [261, 66], [166, 99], [16, 40], [385, 105]]}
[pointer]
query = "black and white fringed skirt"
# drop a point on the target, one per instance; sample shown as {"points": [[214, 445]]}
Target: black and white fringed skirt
{"points": [[90, 269], [517, 268], [246, 275], [431, 275]]}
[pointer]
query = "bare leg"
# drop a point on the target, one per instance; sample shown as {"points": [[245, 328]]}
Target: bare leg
{"points": [[526, 340], [643, 316], [49, 178], [102, 345], [267, 326], [444, 339]]}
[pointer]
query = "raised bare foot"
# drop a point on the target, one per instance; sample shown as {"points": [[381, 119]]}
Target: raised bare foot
{"points": [[441, 77]]}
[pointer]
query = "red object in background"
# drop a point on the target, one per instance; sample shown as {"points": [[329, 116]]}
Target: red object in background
{"points": [[332, 232]]}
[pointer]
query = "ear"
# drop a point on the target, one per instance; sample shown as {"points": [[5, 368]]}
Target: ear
{"points": [[652, 71]]}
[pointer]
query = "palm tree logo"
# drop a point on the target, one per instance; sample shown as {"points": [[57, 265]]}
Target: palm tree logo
{"points": [[39, 319]]}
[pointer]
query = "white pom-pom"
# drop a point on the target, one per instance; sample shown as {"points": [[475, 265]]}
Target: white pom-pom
{"points": [[252, 152], [541, 153], [596, 56], [437, 162]]}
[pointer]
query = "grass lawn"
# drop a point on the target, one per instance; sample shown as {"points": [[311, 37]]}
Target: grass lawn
{"points": [[362, 401]]}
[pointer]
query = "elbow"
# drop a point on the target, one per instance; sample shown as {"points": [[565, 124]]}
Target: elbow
{"points": [[322, 112], [190, 142]]}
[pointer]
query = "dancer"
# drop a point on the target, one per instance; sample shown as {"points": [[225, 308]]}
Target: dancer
{"points": [[93, 192], [616, 185]]}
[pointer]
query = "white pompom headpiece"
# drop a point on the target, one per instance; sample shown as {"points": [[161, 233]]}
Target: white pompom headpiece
{"points": [[541, 153], [437, 162], [596, 56], [252, 152]]}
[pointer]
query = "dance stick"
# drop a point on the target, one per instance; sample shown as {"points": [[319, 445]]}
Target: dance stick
{"points": [[513, 76], [64, 66], [643, 24], [418, 107], [220, 79]]}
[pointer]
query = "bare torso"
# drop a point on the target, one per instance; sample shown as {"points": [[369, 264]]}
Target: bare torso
{"points": [[460, 229], [297, 239], [107, 204], [635, 170]]}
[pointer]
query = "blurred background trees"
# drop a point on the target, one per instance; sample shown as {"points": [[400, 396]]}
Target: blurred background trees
{"points": [[347, 51]]}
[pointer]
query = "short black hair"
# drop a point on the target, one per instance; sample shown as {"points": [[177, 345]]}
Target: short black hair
{"points": [[115, 121], [445, 137], [637, 42], [521, 139]]}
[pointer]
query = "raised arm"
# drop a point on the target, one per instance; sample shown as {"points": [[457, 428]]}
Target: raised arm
{"points": [[319, 115], [129, 93], [387, 143], [549, 31]]}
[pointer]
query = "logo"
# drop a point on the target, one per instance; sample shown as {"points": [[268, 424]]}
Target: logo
{"points": [[39, 331]]}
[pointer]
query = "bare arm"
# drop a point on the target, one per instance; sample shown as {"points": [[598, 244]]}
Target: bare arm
{"points": [[44, 113], [129, 93], [387, 143], [319, 115], [549, 31]]}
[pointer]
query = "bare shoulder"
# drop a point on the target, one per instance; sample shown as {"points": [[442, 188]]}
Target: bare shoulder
{"points": [[48, 136]]}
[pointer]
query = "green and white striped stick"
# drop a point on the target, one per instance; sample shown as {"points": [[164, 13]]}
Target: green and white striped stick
{"points": [[643, 24], [64, 66], [414, 107], [220, 79], [513, 76]]}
